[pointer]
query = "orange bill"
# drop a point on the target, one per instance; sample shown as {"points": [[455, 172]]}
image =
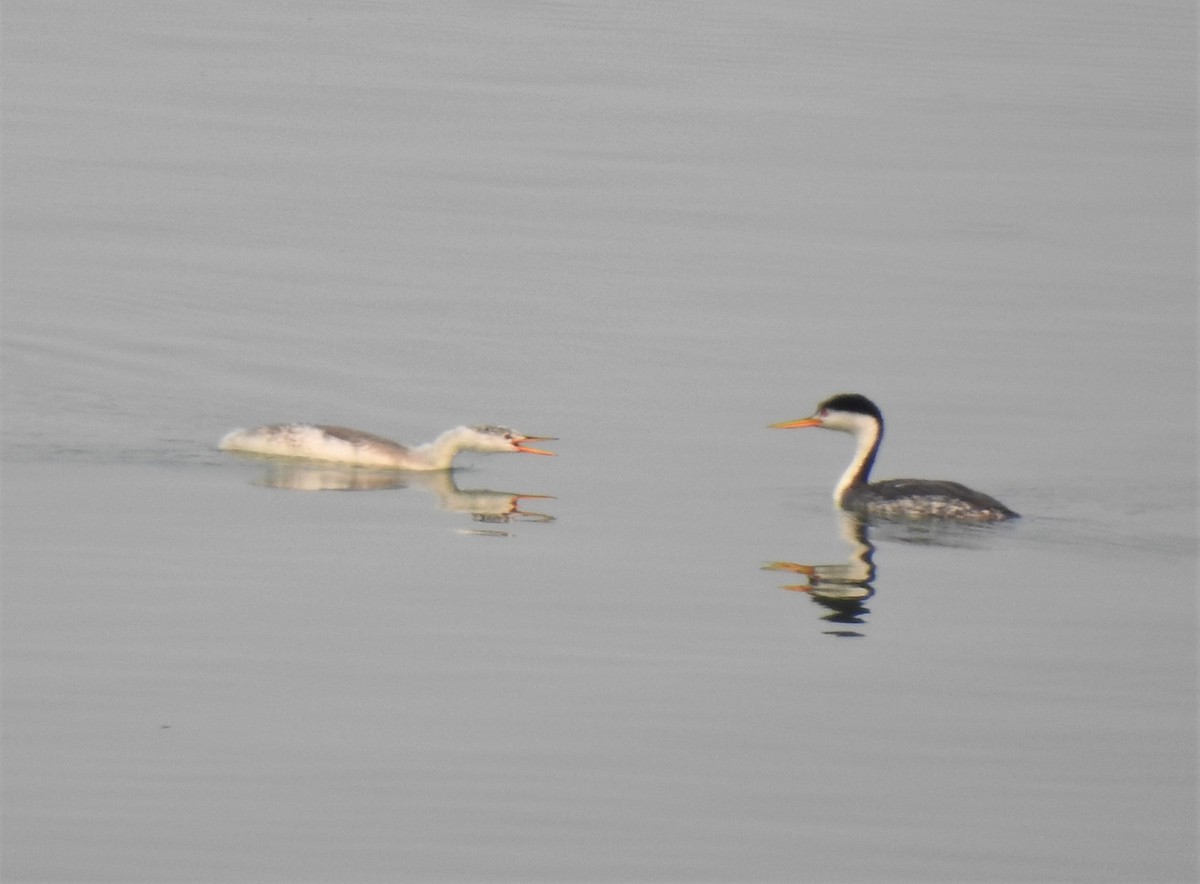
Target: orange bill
{"points": [[797, 424]]}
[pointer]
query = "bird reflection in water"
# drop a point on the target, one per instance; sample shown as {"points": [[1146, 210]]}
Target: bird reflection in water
{"points": [[842, 587], [484, 506]]}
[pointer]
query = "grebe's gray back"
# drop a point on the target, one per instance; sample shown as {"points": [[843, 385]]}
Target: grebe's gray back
{"points": [[893, 498], [343, 445]]}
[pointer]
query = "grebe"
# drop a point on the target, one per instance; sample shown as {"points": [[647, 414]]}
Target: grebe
{"points": [[356, 448], [893, 498]]}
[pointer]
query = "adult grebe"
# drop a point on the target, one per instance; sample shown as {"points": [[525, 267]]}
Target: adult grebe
{"points": [[356, 448], [893, 498]]}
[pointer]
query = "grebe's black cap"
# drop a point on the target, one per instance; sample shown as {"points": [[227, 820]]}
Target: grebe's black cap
{"points": [[855, 403]]}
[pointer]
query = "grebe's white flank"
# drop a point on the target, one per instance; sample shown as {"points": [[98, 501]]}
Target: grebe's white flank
{"points": [[357, 448], [893, 498]]}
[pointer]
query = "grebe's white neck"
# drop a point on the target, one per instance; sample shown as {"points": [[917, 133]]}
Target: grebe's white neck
{"points": [[868, 434], [440, 453]]}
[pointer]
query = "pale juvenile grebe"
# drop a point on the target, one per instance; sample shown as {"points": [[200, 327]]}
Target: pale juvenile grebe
{"points": [[892, 498], [356, 448]]}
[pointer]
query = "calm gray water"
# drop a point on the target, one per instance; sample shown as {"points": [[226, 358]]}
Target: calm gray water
{"points": [[649, 230]]}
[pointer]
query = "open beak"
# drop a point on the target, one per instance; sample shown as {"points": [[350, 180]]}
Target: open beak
{"points": [[797, 424], [519, 444]]}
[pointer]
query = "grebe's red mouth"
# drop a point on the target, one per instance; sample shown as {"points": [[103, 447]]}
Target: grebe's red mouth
{"points": [[519, 445]]}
